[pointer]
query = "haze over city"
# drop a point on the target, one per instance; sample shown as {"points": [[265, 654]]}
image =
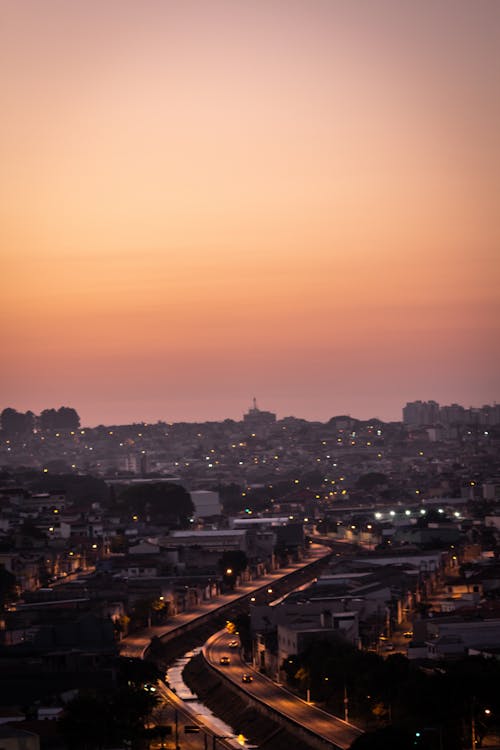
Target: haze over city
{"points": [[205, 201]]}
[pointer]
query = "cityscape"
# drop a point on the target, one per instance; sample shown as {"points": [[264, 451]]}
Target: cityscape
{"points": [[249, 415], [155, 572]]}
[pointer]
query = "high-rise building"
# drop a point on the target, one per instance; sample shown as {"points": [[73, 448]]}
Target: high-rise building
{"points": [[421, 413], [428, 413]]}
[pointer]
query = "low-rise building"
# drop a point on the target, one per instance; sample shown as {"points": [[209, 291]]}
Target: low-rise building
{"points": [[296, 635]]}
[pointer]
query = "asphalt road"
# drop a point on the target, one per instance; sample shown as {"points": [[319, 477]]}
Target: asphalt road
{"points": [[334, 730]]}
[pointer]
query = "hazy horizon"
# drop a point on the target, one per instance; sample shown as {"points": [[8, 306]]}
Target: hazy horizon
{"points": [[203, 201], [85, 423]]}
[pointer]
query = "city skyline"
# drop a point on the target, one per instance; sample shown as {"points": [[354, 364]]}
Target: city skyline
{"points": [[201, 202], [413, 412]]}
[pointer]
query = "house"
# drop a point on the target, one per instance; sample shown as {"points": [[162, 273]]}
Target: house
{"points": [[295, 636], [12, 738], [459, 587], [446, 647], [451, 636], [202, 550]]}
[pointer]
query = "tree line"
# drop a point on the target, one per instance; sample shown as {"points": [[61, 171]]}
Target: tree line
{"points": [[401, 704], [17, 423]]}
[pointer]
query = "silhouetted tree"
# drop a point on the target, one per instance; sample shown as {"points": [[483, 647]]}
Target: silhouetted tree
{"points": [[85, 722], [64, 418], [432, 703], [230, 495], [162, 502], [68, 418], [16, 423], [95, 720], [77, 488], [388, 738], [137, 672], [47, 419]]}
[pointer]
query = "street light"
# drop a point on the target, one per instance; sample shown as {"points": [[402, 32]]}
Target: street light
{"points": [[486, 712]]}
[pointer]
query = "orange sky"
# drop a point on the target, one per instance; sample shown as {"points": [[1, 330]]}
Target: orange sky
{"points": [[205, 200]]}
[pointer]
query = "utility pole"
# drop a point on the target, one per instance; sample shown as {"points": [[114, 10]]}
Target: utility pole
{"points": [[346, 704], [473, 726]]}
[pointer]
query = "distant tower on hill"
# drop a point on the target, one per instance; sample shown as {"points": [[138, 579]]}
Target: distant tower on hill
{"points": [[258, 421]]}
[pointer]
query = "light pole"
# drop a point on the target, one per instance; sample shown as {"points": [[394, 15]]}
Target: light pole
{"points": [[473, 724], [346, 704], [308, 688], [228, 574]]}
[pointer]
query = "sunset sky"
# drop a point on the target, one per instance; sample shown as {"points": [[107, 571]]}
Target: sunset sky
{"points": [[206, 200]]}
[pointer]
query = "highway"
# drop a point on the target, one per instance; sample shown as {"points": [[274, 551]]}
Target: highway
{"points": [[332, 729]]}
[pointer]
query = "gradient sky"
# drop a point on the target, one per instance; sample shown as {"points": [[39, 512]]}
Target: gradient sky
{"points": [[203, 201]]}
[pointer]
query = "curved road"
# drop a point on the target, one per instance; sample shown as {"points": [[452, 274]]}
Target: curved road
{"points": [[332, 729]]}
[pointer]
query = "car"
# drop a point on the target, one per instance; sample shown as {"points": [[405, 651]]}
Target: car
{"points": [[224, 660], [246, 677], [233, 644]]}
